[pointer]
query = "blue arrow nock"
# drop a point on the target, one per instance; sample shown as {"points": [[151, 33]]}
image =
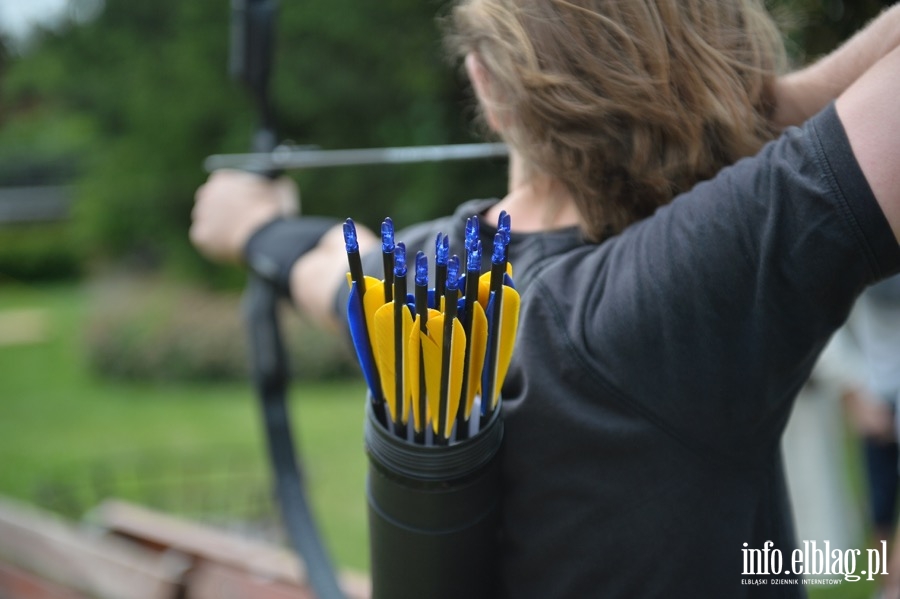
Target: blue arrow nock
{"points": [[453, 273], [421, 270], [350, 241], [473, 258], [387, 235], [471, 232], [400, 260], [504, 227], [498, 254], [441, 249]]}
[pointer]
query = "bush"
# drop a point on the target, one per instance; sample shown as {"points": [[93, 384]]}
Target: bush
{"points": [[159, 331], [38, 252]]}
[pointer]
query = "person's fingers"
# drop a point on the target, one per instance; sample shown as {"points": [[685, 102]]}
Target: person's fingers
{"points": [[231, 206]]}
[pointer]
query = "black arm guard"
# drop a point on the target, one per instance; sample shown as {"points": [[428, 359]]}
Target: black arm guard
{"points": [[272, 250]]}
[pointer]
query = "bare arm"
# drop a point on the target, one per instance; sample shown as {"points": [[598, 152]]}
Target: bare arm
{"points": [[803, 93], [326, 264], [232, 205], [870, 115]]}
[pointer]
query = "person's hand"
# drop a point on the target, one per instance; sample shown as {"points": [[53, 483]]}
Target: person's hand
{"points": [[232, 205], [870, 416], [891, 587]]}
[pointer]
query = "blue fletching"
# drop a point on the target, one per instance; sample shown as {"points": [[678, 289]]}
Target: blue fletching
{"points": [[361, 343], [421, 269], [400, 260], [387, 235], [453, 273], [499, 252], [441, 249], [473, 258], [350, 241]]}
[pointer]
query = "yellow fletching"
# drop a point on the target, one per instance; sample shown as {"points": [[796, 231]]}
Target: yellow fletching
{"points": [[383, 347], [383, 350], [484, 285], [372, 301], [484, 290], [413, 361], [431, 351], [457, 362], [407, 324], [509, 326], [477, 349]]}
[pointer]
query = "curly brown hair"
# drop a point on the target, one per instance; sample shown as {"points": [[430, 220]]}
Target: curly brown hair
{"points": [[628, 102]]}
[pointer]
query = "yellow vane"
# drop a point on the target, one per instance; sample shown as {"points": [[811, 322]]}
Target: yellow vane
{"points": [[414, 350], [477, 351], [509, 325], [386, 358], [432, 346]]}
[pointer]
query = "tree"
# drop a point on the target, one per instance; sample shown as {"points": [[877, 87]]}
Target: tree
{"points": [[152, 80]]}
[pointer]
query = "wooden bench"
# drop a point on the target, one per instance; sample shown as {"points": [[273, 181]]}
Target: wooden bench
{"points": [[126, 551]]}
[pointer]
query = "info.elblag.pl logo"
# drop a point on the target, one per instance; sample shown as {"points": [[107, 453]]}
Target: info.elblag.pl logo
{"points": [[813, 560]]}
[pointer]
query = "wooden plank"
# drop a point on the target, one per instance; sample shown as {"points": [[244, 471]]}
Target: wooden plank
{"points": [[16, 583], [210, 580], [263, 561], [105, 568]]}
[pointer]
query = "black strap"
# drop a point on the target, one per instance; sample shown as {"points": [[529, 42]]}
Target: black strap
{"points": [[274, 248]]}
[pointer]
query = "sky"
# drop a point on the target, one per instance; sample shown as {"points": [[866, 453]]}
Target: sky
{"points": [[17, 17]]}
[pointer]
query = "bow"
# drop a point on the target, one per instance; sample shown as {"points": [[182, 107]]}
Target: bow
{"points": [[252, 30]]}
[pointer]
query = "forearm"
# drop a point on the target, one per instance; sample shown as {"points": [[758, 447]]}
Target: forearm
{"points": [[803, 93], [318, 274]]}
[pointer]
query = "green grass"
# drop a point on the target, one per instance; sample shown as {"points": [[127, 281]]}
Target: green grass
{"points": [[65, 432]]}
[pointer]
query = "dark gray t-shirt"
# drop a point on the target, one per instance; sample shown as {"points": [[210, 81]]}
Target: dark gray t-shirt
{"points": [[654, 373]]}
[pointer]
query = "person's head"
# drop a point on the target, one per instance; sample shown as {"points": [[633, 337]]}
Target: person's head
{"points": [[627, 102]]}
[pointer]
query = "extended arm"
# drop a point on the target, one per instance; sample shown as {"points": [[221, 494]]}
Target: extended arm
{"points": [[326, 263], [233, 205], [803, 93], [870, 115]]}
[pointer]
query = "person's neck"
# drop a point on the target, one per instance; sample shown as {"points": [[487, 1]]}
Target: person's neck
{"points": [[535, 202]]}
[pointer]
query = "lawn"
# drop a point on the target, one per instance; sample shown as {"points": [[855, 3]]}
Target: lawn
{"points": [[68, 438]]}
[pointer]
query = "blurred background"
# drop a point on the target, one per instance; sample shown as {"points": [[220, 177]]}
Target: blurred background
{"points": [[122, 358]]}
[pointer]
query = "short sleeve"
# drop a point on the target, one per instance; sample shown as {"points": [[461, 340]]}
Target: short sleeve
{"points": [[708, 316]]}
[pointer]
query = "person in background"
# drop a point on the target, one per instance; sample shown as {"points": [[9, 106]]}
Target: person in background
{"points": [[815, 449], [680, 274], [874, 328]]}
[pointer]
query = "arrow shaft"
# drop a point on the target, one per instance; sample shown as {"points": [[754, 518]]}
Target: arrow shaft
{"points": [[288, 159]]}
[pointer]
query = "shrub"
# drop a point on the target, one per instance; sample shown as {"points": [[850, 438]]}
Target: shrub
{"points": [[38, 252], [159, 331]]}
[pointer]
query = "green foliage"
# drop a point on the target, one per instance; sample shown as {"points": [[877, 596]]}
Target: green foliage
{"points": [[38, 252], [815, 27], [152, 81]]}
